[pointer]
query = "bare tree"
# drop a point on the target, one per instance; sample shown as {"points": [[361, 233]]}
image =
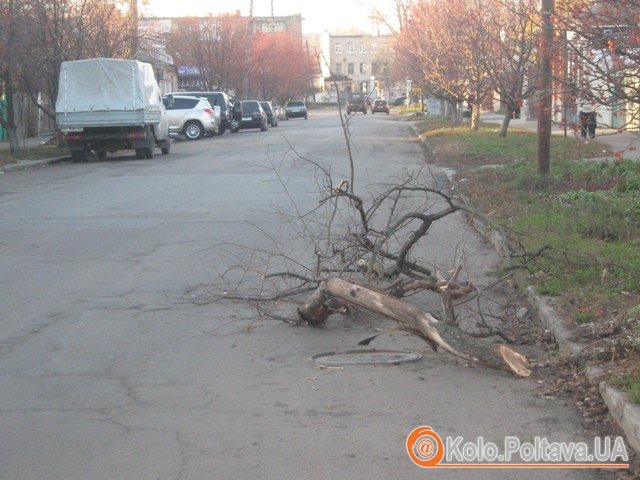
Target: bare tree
{"points": [[12, 25], [217, 46]]}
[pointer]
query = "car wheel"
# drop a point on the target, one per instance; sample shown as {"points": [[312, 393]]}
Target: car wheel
{"points": [[305, 117], [193, 130], [102, 154], [165, 150], [221, 130], [263, 127]]}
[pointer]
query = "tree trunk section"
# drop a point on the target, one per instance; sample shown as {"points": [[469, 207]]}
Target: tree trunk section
{"points": [[475, 115], [481, 351], [504, 128], [546, 85]]}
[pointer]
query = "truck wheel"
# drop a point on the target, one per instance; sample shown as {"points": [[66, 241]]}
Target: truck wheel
{"points": [[148, 152], [139, 153], [79, 156], [193, 130]]}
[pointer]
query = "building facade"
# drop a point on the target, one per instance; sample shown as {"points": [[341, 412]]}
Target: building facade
{"points": [[360, 64]]}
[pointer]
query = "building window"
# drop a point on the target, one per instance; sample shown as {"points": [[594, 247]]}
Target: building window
{"points": [[338, 68], [362, 49], [338, 48], [349, 48], [363, 68], [350, 68]]}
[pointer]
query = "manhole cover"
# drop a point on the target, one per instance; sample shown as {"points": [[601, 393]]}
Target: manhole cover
{"points": [[365, 357]]}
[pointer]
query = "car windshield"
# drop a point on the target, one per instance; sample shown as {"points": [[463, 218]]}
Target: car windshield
{"points": [[266, 107]]}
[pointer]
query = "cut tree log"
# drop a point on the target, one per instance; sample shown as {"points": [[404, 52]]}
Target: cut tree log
{"points": [[483, 351]]}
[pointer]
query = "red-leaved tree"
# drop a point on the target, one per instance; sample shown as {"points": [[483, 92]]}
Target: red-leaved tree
{"points": [[281, 68]]}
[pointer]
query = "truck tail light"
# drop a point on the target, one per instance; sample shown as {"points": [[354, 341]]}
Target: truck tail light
{"points": [[71, 137], [138, 134]]}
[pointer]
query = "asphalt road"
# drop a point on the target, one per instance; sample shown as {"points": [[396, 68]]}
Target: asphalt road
{"points": [[108, 370]]}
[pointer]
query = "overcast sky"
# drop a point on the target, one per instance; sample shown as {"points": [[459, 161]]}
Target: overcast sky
{"points": [[318, 15]]}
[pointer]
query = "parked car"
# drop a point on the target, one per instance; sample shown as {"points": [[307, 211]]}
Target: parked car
{"points": [[357, 104], [216, 99], [272, 116], [401, 100], [248, 114], [295, 109], [191, 116], [380, 105]]}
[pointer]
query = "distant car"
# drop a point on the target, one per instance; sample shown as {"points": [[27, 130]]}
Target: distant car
{"points": [[356, 104], [295, 109], [248, 114], [380, 105], [191, 116], [401, 100], [272, 116], [216, 99]]}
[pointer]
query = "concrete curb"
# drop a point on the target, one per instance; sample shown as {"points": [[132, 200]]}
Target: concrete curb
{"points": [[622, 410], [24, 165]]}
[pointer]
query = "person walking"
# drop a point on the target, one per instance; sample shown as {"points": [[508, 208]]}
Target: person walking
{"points": [[587, 117]]}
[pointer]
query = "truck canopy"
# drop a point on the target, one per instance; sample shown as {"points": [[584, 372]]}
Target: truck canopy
{"points": [[107, 84]]}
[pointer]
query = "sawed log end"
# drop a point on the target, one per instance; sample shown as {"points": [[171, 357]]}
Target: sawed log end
{"points": [[517, 363]]}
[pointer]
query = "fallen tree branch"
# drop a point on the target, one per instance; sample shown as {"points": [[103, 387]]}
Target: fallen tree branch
{"points": [[485, 352]]}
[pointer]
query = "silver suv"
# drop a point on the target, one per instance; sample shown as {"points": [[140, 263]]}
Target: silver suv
{"points": [[219, 99], [190, 116]]}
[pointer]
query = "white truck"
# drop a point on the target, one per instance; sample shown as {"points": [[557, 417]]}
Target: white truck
{"points": [[105, 105]]}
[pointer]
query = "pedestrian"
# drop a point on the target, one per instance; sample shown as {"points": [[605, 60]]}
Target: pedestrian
{"points": [[587, 117], [518, 107]]}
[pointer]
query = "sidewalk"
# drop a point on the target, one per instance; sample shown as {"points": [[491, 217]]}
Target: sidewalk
{"points": [[618, 141], [24, 164]]}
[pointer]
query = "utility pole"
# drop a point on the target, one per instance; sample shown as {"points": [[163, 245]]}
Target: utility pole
{"points": [[247, 60], [546, 86], [135, 41]]}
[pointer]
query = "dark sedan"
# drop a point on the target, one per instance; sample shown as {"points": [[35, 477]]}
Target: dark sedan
{"points": [[248, 114], [295, 109], [272, 116], [380, 105]]}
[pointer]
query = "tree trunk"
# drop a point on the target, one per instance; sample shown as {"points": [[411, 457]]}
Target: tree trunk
{"points": [[475, 115], [546, 85], [485, 352], [504, 128], [455, 112]]}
